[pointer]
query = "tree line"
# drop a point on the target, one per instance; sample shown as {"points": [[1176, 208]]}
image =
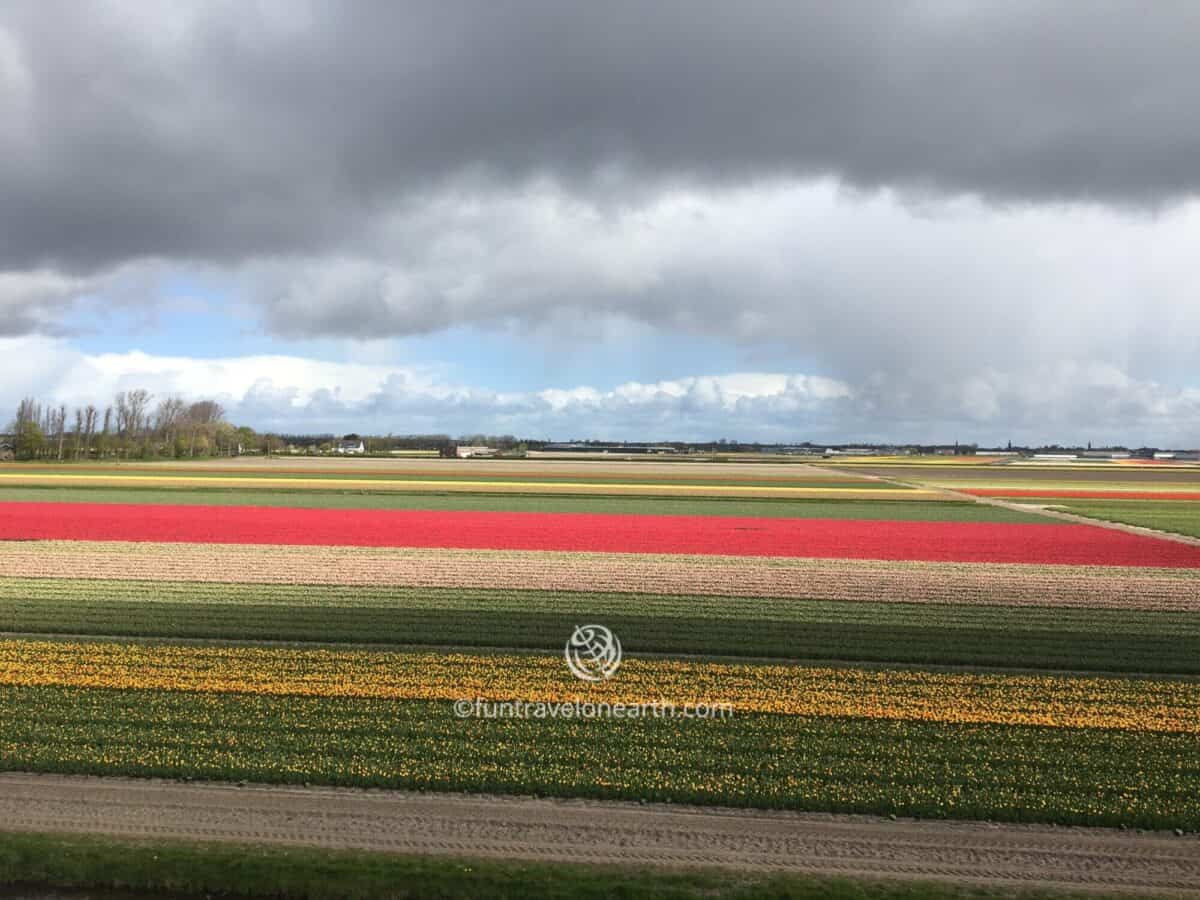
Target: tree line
{"points": [[133, 426]]}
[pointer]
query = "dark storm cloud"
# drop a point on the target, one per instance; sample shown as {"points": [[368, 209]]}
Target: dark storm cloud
{"points": [[228, 131]]}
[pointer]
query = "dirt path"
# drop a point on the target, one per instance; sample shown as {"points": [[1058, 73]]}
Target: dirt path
{"points": [[591, 831]]}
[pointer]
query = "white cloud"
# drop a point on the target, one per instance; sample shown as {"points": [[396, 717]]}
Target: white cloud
{"points": [[36, 299], [855, 283], [233, 379], [1068, 402]]}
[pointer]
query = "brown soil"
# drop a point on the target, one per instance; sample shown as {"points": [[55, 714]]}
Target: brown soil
{"points": [[591, 831]]}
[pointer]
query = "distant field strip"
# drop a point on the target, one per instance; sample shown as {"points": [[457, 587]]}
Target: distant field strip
{"points": [[1132, 492], [1057, 544], [797, 577], [899, 509], [1063, 701], [617, 469], [864, 490], [1149, 477], [1057, 637], [929, 462], [446, 471]]}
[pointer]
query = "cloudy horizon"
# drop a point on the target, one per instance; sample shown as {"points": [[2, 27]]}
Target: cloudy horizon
{"points": [[894, 222]]}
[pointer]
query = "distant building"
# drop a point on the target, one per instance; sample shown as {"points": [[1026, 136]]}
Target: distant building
{"points": [[350, 447], [592, 448], [466, 452]]}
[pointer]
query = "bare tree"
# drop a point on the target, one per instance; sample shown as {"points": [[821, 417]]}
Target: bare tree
{"points": [[28, 429], [132, 416], [28, 410], [139, 412], [130, 425], [204, 417], [89, 426], [60, 429], [108, 422], [122, 410], [169, 417]]}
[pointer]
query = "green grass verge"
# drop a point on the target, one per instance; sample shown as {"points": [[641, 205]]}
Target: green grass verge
{"points": [[898, 510], [929, 770], [995, 636], [1179, 516], [44, 862]]}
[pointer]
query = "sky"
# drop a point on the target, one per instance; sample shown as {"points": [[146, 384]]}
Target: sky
{"points": [[835, 222]]}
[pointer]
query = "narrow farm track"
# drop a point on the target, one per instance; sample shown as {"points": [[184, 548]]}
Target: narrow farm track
{"points": [[590, 831]]}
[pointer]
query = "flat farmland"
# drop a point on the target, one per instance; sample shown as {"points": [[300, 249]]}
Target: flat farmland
{"points": [[890, 646], [1004, 471], [1177, 516], [423, 477], [1159, 496], [838, 505]]}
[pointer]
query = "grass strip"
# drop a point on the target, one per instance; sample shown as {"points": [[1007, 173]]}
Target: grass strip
{"points": [[44, 863], [1178, 516]]}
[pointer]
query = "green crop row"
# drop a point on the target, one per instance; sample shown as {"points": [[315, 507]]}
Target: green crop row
{"points": [[982, 635], [1179, 516], [1073, 776]]}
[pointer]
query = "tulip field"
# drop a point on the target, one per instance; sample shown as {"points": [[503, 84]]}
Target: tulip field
{"points": [[885, 639], [1160, 496]]}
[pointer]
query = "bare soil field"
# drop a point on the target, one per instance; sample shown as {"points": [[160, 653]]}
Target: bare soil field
{"points": [[590, 831]]}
